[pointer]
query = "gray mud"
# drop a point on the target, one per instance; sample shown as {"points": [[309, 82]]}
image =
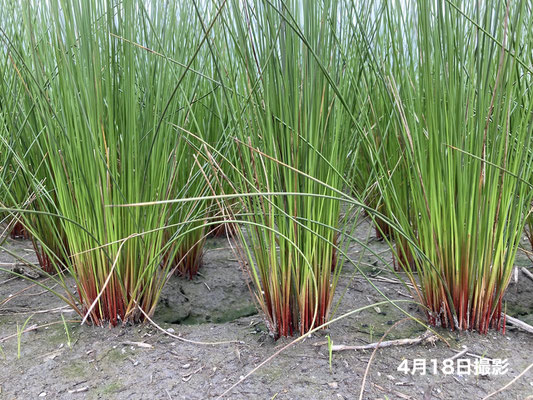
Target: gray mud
{"points": [[103, 363]]}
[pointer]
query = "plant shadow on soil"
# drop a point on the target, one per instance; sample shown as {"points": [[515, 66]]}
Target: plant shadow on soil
{"points": [[140, 362]]}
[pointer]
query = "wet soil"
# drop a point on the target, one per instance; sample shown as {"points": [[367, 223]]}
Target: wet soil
{"points": [[60, 360]]}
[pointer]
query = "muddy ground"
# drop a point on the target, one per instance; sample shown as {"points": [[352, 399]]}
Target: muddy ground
{"points": [[141, 362]]}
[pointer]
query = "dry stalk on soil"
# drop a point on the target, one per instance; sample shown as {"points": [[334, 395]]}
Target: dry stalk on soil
{"points": [[426, 337]]}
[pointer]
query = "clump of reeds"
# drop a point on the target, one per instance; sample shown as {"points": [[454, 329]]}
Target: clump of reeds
{"points": [[18, 231], [27, 180], [105, 87], [292, 135], [463, 112]]}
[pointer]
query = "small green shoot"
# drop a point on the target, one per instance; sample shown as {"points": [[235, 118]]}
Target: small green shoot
{"points": [[330, 351], [20, 331], [69, 342]]}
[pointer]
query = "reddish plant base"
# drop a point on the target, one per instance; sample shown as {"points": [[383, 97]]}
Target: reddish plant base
{"points": [[115, 304], [480, 320], [403, 257], [223, 230], [19, 232], [287, 322], [44, 261], [439, 312], [383, 230], [293, 317], [186, 263], [111, 308], [306, 323], [288, 317]]}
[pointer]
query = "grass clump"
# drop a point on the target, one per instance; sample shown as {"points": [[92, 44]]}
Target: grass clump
{"points": [[107, 108], [292, 138], [463, 119]]}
